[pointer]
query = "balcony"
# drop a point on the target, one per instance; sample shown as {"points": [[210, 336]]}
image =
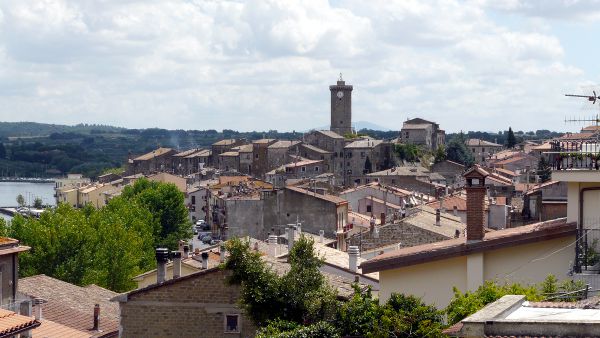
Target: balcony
{"points": [[574, 155]]}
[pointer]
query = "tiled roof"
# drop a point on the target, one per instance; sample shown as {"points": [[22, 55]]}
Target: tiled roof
{"points": [[577, 136], [12, 323], [152, 154], [72, 305], [264, 141], [402, 171], [200, 153], [230, 154], [544, 146], [283, 144], [474, 142], [376, 185], [301, 163], [328, 198], [52, 329], [410, 126], [246, 148], [506, 172], [186, 153], [330, 133], [225, 142], [368, 143], [425, 219], [315, 149], [459, 247]]}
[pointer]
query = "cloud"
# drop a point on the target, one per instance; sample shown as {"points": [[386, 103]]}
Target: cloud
{"points": [[267, 64]]}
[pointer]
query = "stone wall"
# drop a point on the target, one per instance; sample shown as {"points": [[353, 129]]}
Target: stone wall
{"points": [[406, 234], [193, 307]]}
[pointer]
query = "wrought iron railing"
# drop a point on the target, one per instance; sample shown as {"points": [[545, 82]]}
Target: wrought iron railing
{"points": [[587, 251], [570, 155]]}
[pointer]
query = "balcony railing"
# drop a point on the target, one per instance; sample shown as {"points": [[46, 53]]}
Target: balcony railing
{"points": [[574, 155]]}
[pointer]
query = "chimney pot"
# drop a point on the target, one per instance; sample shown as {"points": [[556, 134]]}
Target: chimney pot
{"points": [[186, 251], [438, 217], [321, 236], [353, 252], [205, 260], [176, 264], [162, 257], [455, 210], [272, 245], [222, 253], [96, 317]]}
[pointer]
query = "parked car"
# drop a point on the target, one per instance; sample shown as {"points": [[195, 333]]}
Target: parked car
{"points": [[200, 222]]}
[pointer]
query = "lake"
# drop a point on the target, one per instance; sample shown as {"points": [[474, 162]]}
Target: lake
{"points": [[10, 190]]}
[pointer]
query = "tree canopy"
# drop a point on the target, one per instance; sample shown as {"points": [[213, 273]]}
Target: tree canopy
{"points": [[457, 151], [511, 141]]}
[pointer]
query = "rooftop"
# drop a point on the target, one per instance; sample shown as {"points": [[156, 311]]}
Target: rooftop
{"points": [[200, 153], [225, 142], [282, 144], [328, 198], [186, 153], [379, 186], [246, 148], [153, 154], [12, 323], [229, 154], [402, 171], [368, 143], [459, 247], [475, 142], [72, 305], [315, 149], [330, 133], [410, 126]]}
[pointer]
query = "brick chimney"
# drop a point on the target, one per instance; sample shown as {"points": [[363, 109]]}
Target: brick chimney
{"points": [[476, 194]]}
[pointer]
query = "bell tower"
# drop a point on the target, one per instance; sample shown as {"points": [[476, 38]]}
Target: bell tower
{"points": [[341, 107]]}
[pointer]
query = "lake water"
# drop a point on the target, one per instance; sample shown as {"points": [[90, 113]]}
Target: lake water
{"points": [[10, 190]]}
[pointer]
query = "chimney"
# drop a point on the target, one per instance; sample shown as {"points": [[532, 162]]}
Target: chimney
{"points": [[476, 193], [272, 245], [455, 210], [176, 264], [290, 238], [437, 217], [353, 253], [38, 308], [222, 253], [96, 317], [186, 251], [162, 257], [321, 236], [205, 260]]}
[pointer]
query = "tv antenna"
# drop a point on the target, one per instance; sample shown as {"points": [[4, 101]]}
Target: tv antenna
{"points": [[590, 98]]}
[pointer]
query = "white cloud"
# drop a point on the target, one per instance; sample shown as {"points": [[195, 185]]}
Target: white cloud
{"points": [[267, 64]]}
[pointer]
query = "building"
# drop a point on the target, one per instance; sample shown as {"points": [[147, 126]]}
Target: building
{"points": [[513, 316], [260, 161], [341, 107], [245, 158], [361, 157], [513, 255], [158, 160], [180, 165], [195, 162], [422, 132], [69, 310], [451, 171], [297, 170], [178, 181], [222, 146], [279, 153], [412, 178], [545, 201], [379, 191], [482, 150], [229, 161], [326, 141]]}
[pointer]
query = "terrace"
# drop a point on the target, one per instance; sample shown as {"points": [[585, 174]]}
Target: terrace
{"points": [[574, 155]]}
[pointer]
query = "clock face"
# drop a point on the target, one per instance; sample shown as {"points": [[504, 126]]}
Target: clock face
{"points": [[340, 94]]}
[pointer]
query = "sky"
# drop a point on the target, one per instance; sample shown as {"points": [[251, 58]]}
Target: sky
{"points": [[261, 65]]}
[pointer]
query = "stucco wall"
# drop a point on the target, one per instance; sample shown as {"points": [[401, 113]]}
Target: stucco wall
{"points": [[433, 281]]}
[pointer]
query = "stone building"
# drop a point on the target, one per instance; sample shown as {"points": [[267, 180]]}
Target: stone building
{"points": [[180, 162], [363, 157], [260, 161], [451, 171], [341, 107], [412, 178], [315, 153], [245, 158], [278, 153], [327, 141], [197, 161], [229, 161], [422, 132], [222, 146], [300, 169], [157, 160], [482, 150]]}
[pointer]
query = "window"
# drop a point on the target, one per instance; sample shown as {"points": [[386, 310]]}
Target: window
{"points": [[369, 208], [483, 150], [406, 134], [256, 156], [341, 122], [362, 154], [303, 169], [473, 149], [193, 199], [393, 181], [316, 168], [232, 323]]}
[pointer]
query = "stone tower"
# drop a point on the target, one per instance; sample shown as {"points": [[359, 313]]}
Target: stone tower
{"points": [[341, 107]]}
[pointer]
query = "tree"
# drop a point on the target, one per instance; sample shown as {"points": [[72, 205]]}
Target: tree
{"points": [[439, 154], [544, 170], [457, 151], [511, 141], [20, 200], [368, 166], [408, 152], [166, 204], [37, 203]]}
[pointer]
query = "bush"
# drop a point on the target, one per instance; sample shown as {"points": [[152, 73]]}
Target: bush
{"points": [[317, 330]]}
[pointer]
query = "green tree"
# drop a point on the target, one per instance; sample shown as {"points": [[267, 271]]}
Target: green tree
{"points": [[37, 203], [166, 204], [20, 200], [457, 151], [409, 152], [544, 170], [511, 141], [358, 315], [439, 154], [368, 165]]}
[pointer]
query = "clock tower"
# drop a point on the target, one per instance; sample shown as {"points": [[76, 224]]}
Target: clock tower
{"points": [[341, 107]]}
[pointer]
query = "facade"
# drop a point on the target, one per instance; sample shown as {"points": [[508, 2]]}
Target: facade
{"points": [[422, 132], [260, 161], [180, 165], [222, 146], [279, 153], [229, 161], [363, 157], [341, 107], [413, 178], [482, 150], [195, 162], [546, 201], [160, 159], [245, 158], [451, 171], [178, 181], [328, 141], [301, 169]]}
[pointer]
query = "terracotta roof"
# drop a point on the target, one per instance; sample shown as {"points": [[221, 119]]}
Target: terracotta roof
{"points": [[402, 171], [12, 323], [513, 159], [577, 136], [301, 163], [474, 142], [544, 146], [153, 154], [246, 148], [328, 198], [264, 141], [506, 172], [230, 154], [449, 202], [49, 329], [459, 247], [72, 305]]}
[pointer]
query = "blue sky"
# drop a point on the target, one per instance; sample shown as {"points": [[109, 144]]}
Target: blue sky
{"points": [[260, 65]]}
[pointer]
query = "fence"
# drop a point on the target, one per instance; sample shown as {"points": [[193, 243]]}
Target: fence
{"points": [[587, 250], [566, 155]]}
